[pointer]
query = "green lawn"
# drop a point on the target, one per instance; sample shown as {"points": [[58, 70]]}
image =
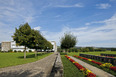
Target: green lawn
{"points": [[70, 70], [92, 53], [11, 59]]}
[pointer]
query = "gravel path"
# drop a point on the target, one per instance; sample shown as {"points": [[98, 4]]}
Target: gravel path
{"points": [[40, 68], [97, 71]]}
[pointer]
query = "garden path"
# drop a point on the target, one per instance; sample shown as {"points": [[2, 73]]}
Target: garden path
{"points": [[95, 70], [40, 68]]}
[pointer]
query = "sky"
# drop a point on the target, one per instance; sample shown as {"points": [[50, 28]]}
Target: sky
{"points": [[93, 22]]}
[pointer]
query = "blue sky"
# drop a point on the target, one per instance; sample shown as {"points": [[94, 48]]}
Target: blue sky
{"points": [[92, 21]]}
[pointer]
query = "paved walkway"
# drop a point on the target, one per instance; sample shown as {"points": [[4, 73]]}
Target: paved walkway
{"points": [[40, 68], [97, 71]]}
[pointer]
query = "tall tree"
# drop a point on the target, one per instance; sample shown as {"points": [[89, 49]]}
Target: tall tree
{"points": [[68, 41], [22, 35]]}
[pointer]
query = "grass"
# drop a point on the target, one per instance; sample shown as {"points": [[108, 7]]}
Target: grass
{"points": [[92, 53], [12, 59], [70, 70]]}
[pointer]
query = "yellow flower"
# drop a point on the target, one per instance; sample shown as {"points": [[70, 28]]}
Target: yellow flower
{"points": [[89, 60]]}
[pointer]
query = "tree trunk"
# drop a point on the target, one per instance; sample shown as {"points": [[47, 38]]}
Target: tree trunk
{"points": [[64, 50], [36, 53], [25, 53]]}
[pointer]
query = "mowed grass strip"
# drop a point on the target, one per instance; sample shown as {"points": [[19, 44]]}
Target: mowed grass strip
{"points": [[12, 59], [70, 70]]}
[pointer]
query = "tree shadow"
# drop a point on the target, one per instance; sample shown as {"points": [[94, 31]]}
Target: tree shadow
{"points": [[32, 55], [26, 73]]}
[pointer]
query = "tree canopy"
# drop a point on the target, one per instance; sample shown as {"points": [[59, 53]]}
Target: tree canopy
{"points": [[68, 41], [30, 38]]}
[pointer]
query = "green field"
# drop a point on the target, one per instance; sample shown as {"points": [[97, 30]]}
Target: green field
{"points": [[92, 53], [70, 70], [11, 59]]}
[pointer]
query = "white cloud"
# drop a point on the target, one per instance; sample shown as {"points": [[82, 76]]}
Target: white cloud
{"points": [[103, 6], [12, 14], [37, 28], [67, 6], [90, 36]]}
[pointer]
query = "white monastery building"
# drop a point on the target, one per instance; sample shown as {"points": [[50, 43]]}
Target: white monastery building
{"points": [[5, 46]]}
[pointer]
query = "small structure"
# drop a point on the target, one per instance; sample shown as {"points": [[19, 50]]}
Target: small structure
{"points": [[5, 46], [54, 46]]}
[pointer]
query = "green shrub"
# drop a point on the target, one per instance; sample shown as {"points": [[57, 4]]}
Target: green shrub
{"points": [[62, 53], [30, 50], [10, 50], [15, 51]]}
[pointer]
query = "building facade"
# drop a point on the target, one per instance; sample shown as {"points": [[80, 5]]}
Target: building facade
{"points": [[12, 45], [54, 46], [5, 46]]}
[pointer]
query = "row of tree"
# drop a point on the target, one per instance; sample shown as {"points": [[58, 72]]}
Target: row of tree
{"points": [[27, 37]]}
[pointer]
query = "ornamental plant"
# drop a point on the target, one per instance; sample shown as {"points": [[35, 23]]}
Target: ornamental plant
{"points": [[86, 72], [107, 65]]}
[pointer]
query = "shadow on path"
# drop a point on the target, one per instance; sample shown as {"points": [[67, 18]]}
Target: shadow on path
{"points": [[26, 73], [32, 55]]}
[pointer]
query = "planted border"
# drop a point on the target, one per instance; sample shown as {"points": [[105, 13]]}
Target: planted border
{"points": [[104, 66], [86, 72]]}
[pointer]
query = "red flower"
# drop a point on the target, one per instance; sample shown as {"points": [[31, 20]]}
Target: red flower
{"points": [[98, 63], [79, 57], [79, 66], [113, 68], [85, 58], [91, 75]]}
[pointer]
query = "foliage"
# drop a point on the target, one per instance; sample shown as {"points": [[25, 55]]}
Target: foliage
{"points": [[84, 49], [74, 49], [81, 68], [69, 69], [68, 41], [30, 50], [15, 51], [62, 53], [113, 49], [98, 63], [22, 36], [100, 49], [10, 50], [90, 49]]}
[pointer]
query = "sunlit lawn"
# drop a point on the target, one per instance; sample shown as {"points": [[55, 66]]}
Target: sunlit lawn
{"points": [[11, 59], [92, 53]]}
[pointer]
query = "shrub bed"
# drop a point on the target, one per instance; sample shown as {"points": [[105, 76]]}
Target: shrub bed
{"points": [[86, 72], [108, 67]]}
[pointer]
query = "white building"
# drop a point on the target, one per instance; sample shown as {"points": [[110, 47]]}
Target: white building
{"points": [[19, 48], [54, 46], [12, 45]]}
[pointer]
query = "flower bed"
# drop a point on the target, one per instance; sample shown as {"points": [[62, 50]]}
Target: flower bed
{"points": [[87, 72], [107, 65]]}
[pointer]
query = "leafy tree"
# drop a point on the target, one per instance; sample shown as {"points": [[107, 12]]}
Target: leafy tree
{"points": [[22, 35], [68, 41], [90, 48], [37, 41]]}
